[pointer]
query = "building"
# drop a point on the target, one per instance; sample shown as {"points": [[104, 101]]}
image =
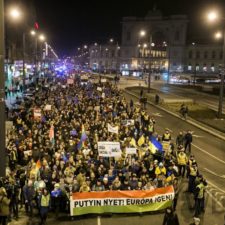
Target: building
{"points": [[153, 42], [203, 59], [156, 43], [105, 58]]}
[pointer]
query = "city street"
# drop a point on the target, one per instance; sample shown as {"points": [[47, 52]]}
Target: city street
{"points": [[211, 101]]}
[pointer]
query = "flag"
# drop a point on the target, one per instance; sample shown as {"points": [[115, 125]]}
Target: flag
{"points": [[133, 142], [52, 134], [113, 129], [83, 138], [155, 145], [141, 140], [38, 164]]}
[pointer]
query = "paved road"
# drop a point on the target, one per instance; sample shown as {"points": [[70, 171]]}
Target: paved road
{"points": [[211, 101]]}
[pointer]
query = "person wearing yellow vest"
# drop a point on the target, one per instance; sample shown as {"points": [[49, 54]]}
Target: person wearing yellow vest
{"points": [[182, 162], [192, 176], [160, 169], [166, 136], [199, 196], [44, 205]]}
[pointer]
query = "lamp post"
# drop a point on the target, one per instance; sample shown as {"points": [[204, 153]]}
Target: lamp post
{"points": [[194, 45], [212, 17]]}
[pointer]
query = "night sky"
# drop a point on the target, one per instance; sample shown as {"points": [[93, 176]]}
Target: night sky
{"points": [[70, 23]]}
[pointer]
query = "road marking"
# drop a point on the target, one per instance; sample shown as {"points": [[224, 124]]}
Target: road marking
{"points": [[157, 114], [200, 149], [216, 187], [98, 220], [215, 174], [217, 202], [197, 136]]}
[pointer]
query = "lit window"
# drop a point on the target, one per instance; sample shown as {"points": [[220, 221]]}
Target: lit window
{"points": [[189, 68]]}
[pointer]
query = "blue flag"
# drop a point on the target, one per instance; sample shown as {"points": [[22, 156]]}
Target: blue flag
{"points": [[156, 144]]}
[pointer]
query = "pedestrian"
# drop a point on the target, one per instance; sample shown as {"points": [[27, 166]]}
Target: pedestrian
{"points": [[182, 162], [200, 197], [180, 139], [157, 99], [44, 205], [29, 197], [141, 93], [170, 217], [192, 176], [188, 138], [4, 206]]}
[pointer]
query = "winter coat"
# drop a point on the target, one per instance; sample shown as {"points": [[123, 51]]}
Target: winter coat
{"points": [[4, 205]]}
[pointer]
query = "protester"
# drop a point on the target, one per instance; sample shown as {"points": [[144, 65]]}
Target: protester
{"points": [[170, 217], [55, 149], [4, 206]]}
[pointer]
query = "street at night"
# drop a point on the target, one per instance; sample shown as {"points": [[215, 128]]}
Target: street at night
{"points": [[112, 113]]}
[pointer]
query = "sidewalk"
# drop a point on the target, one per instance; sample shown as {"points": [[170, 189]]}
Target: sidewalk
{"points": [[193, 122]]}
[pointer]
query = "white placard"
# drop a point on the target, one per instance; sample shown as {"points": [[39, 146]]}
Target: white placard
{"points": [[48, 107], [99, 89], [103, 80], [109, 149], [37, 113], [113, 129], [131, 151], [128, 122]]}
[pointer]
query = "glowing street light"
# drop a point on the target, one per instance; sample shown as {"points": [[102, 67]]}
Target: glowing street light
{"points": [[85, 46], [218, 35], [142, 33], [145, 45], [32, 32], [15, 13], [42, 37], [212, 16], [111, 40]]}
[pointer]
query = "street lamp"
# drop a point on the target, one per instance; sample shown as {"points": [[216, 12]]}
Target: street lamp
{"points": [[212, 17], [111, 40], [15, 13], [32, 32], [42, 37], [218, 35], [142, 33]]}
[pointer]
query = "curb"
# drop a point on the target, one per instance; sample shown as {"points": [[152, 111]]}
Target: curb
{"points": [[190, 121]]}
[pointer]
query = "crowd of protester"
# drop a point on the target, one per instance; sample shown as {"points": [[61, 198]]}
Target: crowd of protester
{"points": [[47, 161]]}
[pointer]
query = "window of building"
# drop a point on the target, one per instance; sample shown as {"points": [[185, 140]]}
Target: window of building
{"points": [[189, 67], [205, 55], [205, 68], [190, 54], [197, 55], [128, 36], [177, 35], [213, 54], [197, 67], [221, 54], [212, 67]]}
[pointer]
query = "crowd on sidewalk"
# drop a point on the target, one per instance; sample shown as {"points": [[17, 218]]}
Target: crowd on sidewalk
{"points": [[53, 150]]}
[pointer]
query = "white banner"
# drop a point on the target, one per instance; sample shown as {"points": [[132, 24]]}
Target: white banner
{"points": [[113, 129], [131, 151], [99, 89], [128, 122], [109, 149], [103, 80]]}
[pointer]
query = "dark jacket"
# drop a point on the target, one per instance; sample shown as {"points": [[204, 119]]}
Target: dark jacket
{"points": [[170, 219]]}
